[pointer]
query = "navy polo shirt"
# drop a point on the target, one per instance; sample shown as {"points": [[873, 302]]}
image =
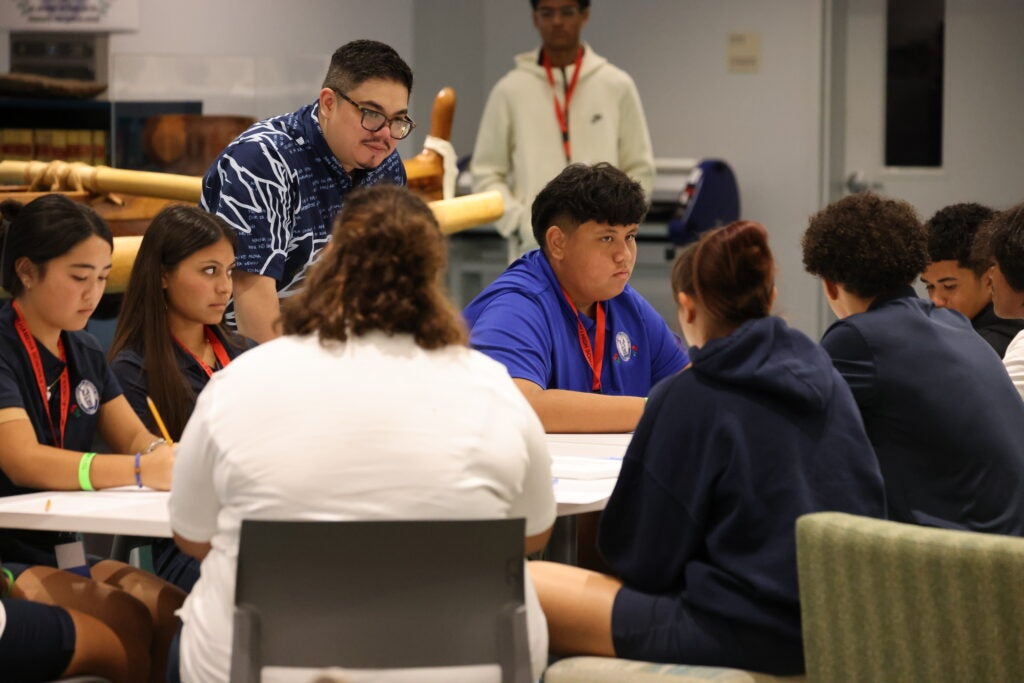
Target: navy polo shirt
{"points": [[92, 385], [943, 416], [129, 368], [523, 321], [280, 187]]}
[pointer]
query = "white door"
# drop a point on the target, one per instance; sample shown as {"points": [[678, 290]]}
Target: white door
{"points": [[983, 107]]}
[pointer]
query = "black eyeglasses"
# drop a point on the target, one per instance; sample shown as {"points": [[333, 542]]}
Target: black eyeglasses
{"points": [[373, 120]]}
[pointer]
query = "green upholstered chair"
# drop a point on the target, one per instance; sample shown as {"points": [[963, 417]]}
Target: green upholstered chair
{"points": [[608, 670], [892, 602]]}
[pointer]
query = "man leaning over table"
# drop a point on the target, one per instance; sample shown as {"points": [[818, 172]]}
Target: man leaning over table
{"points": [[281, 183], [581, 344]]}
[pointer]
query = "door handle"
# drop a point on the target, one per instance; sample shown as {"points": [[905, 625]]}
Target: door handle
{"points": [[857, 182]]}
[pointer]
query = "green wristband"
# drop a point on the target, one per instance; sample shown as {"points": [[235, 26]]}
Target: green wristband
{"points": [[10, 582], [83, 471]]}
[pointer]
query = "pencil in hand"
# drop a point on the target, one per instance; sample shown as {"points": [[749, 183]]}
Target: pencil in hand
{"points": [[159, 421]]}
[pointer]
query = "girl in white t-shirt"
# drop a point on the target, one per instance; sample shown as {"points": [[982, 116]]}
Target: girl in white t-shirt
{"points": [[379, 410]]}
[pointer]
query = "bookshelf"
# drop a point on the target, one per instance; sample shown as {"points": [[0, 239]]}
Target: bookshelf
{"points": [[93, 131]]}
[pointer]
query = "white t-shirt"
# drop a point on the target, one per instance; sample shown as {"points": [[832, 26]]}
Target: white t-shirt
{"points": [[1014, 361], [376, 428]]}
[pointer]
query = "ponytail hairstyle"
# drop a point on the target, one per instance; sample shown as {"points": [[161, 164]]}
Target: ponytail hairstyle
{"points": [[44, 229], [730, 272], [382, 271], [176, 233]]}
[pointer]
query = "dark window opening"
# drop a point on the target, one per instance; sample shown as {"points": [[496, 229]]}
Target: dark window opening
{"points": [[915, 46]]}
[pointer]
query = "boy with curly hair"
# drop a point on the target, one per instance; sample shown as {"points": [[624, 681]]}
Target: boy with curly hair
{"points": [[959, 281], [941, 413]]}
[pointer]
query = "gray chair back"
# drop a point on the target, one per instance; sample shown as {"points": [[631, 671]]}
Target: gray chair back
{"points": [[380, 594]]}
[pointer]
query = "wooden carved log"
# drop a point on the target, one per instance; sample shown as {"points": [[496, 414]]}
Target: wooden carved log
{"points": [[425, 171], [452, 214]]}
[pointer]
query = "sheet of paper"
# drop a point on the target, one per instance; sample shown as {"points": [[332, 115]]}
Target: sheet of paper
{"points": [[583, 491], [569, 467]]}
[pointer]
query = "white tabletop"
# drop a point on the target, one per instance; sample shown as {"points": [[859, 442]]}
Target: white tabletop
{"points": [[585, 467]]}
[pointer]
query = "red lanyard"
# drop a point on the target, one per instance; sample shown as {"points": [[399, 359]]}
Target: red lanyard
{"points": [[218, 350], [29, 342], [563, 114], [595, 356]]}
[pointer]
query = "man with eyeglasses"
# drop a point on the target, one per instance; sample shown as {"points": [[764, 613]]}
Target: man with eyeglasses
{"points": [[561, 104], [281, 183]]}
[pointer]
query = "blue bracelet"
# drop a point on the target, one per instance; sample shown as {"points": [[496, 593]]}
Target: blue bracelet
{"points": [[138, 470]]}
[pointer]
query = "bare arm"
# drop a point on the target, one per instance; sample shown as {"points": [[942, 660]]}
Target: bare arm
{"points": [[577, 411], [538, 542], [34, 465], [197, 549], [257, 307]]}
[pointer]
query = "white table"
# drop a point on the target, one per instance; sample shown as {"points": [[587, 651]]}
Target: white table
{"points": [[131, 512]]}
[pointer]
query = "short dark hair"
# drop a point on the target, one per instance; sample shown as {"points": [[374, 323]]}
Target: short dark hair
{"points": [[951, 233], [1001, 241], [868, 244], [582, 193], [356, 62], [584, 4], [44, 229]]}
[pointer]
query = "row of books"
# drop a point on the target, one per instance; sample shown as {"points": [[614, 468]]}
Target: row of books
{"points": [[49, 144]]}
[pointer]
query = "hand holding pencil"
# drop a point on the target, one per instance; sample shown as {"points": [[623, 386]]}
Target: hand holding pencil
{"points": [[159, 422], [154, 469]]}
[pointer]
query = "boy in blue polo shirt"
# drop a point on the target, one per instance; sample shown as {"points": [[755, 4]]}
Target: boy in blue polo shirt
{"points": [[582, 345]]}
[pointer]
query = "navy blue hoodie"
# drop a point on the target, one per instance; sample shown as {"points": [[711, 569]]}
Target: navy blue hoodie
{"points": [[760, 430]]}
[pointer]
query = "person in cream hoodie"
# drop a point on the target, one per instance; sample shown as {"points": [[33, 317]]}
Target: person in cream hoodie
{"points": [[561, 104]]}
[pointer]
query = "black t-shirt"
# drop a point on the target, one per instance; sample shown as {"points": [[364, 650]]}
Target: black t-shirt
{"points": [[92, 384]]}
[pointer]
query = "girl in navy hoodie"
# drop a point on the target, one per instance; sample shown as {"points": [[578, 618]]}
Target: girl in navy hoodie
{"points": [[699, 531]]}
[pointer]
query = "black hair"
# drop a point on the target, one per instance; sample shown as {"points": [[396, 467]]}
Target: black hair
{"points": [[584, 4], [1001, 241], [361, 60], [582, 193], [951, 233], [46, 228]]}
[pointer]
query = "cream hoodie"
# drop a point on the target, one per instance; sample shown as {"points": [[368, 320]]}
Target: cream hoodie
{"points": [[519, 143]]}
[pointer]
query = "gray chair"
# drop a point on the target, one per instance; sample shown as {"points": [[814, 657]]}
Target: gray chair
{"points": [[380, 595]]}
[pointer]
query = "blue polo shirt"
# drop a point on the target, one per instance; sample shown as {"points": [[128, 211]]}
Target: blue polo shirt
{"points": [[280, 187], [92, 385], [523, 321]]}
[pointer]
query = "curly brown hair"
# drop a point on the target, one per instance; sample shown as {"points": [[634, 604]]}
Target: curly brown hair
{"points": [[866, 243], [382, 271]]}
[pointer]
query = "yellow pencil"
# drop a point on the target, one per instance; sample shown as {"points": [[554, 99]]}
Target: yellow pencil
{"points": [[48, 501], [159, 421]]}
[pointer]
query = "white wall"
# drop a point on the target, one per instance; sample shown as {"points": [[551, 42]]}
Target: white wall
{"points": [[255, 57]]}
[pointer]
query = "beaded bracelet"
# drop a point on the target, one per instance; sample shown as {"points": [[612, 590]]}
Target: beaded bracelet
{"points": [[138, 470]]}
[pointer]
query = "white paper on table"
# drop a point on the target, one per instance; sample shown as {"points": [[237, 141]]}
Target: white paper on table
{"points": [[582, 491], [619, 439], [586, 450], [569, 467]]}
